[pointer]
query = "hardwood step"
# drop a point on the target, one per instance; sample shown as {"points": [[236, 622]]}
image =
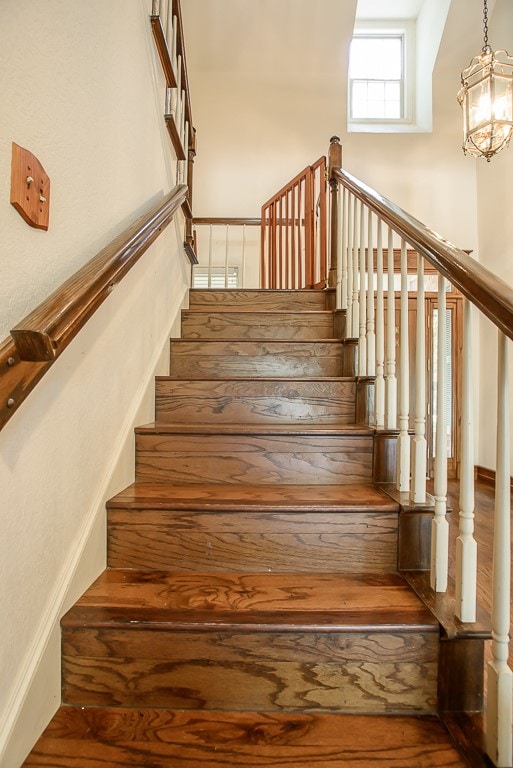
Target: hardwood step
{"points": [[264, 324], [262, 359], [253, 642], [255, 454], [278, 300], [115, 738], [260, 529], [255, 400]]}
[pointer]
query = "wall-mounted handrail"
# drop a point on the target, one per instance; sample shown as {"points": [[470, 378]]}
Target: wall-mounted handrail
{"points": [[483, 288], [41, 337]]}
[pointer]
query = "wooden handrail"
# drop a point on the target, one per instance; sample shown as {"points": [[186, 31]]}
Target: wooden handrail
{"points": [[39, 339], [485, 290], [46, 331]]}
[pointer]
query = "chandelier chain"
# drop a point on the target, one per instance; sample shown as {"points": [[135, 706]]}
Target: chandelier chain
{"points": [[485, 23]]}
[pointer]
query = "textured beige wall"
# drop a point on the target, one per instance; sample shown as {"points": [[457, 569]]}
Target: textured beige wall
{"points": [[81, 88]]}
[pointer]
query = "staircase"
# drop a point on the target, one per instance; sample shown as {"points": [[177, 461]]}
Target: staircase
{"points": [[252, 613]]}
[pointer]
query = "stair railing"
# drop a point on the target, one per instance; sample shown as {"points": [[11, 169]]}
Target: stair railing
{"points": [[365, 228], [167, 28], [228, 251], [294, 237]]}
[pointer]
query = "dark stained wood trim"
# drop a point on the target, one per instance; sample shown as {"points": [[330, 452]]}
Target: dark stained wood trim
{"points": [[163, 51], [231, 221], [45, 332], [491, 295], [175, 137], [186, 208], [487, 475]]}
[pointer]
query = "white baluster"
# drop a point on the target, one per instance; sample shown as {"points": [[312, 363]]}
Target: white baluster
{"points": [[173, 52], [181, 127], [179, 105], [466, 546], [440, 527], [210, 257], [362, 297], [226, 258], [403, 441], [371, 335], [379, 386], [355, 321], [342, 255], [155, 7], [419, 457], [499, 697], [350, 246], [243, 255], [391, 381], [169, 31]]}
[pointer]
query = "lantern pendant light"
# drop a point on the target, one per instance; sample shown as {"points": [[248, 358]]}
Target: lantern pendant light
{"points": [[486, 98]]}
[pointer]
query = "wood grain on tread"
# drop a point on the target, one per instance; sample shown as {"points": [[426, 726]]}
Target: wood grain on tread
{"points": [[265, 299], [255, 541], [253, 458], [198, 324], [255, 400], [116, 738], [219, 359], [277, 498]]}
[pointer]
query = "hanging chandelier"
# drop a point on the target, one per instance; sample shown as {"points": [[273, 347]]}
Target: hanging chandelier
{"points": [[486, 98]]}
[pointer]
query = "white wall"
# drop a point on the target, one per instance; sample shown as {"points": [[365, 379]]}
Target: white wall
{"points": [[495, 199], [81, 88]]}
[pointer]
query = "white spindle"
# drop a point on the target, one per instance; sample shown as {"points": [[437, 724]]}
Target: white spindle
{"points": [[466, 546], [350, 246], [355, 319], [186, 148], [419, 453], [169, 30], [403, 441], [182, 118], [155, 6], [440, 527], [243, 267], [226, 258], [174, 43], [391, 381], [499, 698], [362, 298], [379, 385], [179, 105], [371, 334], [342, 232], [342, 268], [210, 257]]}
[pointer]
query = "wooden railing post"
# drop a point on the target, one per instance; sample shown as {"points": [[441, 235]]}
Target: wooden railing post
{"points": [[334, 162]]}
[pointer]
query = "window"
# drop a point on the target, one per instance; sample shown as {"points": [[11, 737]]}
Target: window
{"points": [[219, 277], [381, 76], [376, 73]]}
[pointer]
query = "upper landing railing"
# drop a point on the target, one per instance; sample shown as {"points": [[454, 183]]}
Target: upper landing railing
{"points": [[365, 228]]}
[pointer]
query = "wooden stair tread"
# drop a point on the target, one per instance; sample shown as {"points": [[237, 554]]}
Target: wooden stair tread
{"points": [[262, 602], [271, 498], [260, 380], [86, 737], [296, 428]]}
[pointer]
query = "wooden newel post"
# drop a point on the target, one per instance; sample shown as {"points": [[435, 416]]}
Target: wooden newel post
{"points": [[334, 162]]}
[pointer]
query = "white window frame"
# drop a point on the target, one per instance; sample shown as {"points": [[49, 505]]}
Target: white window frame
{"points": [[405, 29]]}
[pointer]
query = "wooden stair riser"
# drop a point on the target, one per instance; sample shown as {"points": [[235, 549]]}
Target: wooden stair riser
{"points": [[222, 359], [278, 301], [362, 672], [255, 402], [302, 459], [257, 325], [257, 542]]}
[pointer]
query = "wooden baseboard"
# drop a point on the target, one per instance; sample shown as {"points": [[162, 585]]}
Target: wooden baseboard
{"points": [[487, 475]]}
